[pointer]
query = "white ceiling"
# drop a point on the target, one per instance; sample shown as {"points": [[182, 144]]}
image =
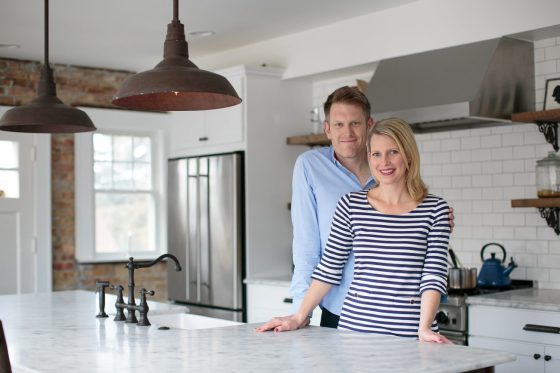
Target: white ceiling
{"points": [[129, 34]]}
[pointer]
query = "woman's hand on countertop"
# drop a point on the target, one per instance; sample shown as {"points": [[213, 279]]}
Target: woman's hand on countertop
{"points": [[284, 323], [428, 335]]}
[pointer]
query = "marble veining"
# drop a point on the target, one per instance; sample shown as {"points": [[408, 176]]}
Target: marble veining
{"points": [[58, 332], [535, 299]]}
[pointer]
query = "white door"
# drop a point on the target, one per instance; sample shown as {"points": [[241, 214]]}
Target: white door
{"points": [[25, 222]]}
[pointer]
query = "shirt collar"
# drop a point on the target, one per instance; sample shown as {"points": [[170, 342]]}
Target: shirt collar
{"points": [[370, 181]]}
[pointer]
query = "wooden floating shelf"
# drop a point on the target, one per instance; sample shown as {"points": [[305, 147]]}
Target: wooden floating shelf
{"points": [[533, 116], [549, 208], [536, 202], [318, 139], [546, 120]]}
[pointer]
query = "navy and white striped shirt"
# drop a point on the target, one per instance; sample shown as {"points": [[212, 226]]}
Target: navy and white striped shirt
{"points": [[397, 257]]}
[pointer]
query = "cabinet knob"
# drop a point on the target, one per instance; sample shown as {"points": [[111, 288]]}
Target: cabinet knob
{"points": [[204, 138], [547, 357], [536, 356]]}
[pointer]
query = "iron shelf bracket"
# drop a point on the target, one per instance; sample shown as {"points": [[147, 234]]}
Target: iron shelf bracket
{"points": [[550, 214], [550, 130]]}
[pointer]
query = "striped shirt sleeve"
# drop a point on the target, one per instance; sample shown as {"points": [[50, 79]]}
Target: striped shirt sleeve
{"points": [[434, 273], [338, 247]]}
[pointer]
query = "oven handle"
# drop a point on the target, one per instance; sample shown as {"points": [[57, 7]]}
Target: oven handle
{"points": [[542, 328]]}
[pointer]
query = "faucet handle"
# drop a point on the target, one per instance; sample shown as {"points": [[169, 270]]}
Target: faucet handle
{"points": [[143, 307], [143, 293]]}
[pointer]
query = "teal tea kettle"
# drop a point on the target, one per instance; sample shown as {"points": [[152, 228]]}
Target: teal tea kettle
{"points": [[493, 274]]}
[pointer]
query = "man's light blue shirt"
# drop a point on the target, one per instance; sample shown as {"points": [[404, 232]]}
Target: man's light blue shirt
{"points": [[319, 181]]}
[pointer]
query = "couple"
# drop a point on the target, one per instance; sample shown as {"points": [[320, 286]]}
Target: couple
{"points": [[384, 264]]}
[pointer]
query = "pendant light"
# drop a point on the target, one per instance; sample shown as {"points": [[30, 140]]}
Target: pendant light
{"points": [[176, 83], [46, 113]]}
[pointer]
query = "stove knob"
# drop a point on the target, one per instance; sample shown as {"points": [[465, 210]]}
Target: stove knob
{"points": [[442, 318]]}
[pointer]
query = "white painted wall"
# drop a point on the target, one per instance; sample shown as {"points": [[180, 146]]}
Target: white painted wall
{"points": [[480, 171], [415, 27]]}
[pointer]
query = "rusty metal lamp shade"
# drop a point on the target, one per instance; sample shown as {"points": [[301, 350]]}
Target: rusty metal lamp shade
{"points": [[176, 83], [46, 113]]}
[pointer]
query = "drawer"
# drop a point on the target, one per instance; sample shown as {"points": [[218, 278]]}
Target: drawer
{"points": [[508, 323], [267, 301]]}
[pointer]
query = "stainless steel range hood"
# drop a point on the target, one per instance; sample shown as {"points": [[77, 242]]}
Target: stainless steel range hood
{"points": [[468, 86]]}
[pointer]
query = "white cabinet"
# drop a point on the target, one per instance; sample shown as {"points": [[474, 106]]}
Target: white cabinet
{"points": [[266, 301], [502, 328], [193, 132], [225, 126]]}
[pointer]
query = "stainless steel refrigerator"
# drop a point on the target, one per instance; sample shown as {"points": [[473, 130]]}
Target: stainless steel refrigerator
{"points": [[206, 225]]}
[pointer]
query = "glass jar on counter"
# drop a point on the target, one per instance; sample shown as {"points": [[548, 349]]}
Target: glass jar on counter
{"points": [[548, 176]]}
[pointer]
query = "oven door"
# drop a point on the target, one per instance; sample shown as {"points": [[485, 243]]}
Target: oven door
{"points": [[459, 338]]}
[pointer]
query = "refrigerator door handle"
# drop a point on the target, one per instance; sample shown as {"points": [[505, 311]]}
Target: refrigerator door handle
{"points": [[204, 290], [236, 234], [198, 238]]}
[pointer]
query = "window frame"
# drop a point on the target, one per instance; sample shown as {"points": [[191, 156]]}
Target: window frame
{"points": [[117, 122]]}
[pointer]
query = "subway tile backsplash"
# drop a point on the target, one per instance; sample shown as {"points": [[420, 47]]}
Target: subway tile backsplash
{"points": [[480, 171]]}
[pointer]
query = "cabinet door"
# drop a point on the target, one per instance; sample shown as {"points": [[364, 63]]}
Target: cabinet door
{"points": [[224, 126], [267, 301], [188, 131], [529, 356], [552, 354]]}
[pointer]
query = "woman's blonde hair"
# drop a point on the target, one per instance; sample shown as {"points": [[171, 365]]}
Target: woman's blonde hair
{"points": [[401, 133]]}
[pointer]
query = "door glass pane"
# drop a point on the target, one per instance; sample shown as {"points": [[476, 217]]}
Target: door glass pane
{"points": [[9, 173], [8, 154], [9, 183], [124, 222]]}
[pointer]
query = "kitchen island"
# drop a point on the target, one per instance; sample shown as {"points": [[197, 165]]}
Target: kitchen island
{"points": [[58, 332]]}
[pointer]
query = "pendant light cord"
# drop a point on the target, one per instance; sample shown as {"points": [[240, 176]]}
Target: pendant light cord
{"points": [[46, 32], [175, 10]]}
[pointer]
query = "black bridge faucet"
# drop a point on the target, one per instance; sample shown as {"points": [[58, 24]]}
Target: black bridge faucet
{"points": [[131, 306]]}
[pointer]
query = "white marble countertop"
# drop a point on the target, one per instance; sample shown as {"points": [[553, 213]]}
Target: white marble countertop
{"points": [[272, 280], [535, 299], [58, 332]]}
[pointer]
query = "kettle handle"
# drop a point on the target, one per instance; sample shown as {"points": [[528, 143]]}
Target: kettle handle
{"points": [[490, 244]]}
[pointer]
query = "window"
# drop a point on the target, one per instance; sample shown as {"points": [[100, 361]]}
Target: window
{"points": [[120, 204], [125, 199], [9, 169]]}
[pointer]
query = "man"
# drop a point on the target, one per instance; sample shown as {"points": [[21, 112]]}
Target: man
{"points": [[321, 176]]}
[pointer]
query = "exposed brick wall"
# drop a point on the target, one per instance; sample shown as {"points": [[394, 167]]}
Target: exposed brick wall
{"points": [[78, 86]]}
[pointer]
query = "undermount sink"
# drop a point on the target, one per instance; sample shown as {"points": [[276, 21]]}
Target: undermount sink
{"points": [[189, 321]]}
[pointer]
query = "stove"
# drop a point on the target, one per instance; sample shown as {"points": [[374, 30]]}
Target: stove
{"points": [[452, 314]]}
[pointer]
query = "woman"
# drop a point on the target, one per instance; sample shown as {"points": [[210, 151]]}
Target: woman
{"points": [[399, 234]]}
